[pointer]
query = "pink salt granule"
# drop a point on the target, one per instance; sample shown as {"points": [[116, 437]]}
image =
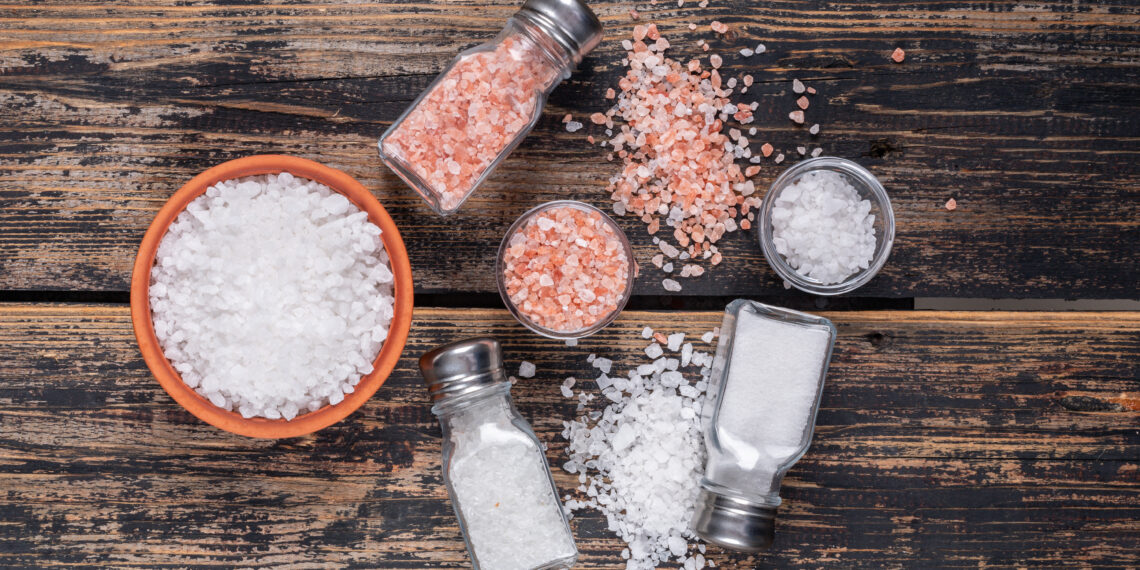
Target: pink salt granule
{"points": [[470, 117], [678, 166], [566, 269], [898, 55]]}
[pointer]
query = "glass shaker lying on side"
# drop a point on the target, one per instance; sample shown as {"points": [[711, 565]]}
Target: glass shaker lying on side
{"points": [[493, 464], [763, 396], [479, 109]]}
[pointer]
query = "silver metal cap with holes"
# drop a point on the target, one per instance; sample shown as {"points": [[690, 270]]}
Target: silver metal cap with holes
{"points": [[570, 22], [734, 523], [462, 367]]}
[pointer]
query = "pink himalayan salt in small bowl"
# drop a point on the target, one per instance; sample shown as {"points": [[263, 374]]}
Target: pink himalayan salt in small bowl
{"points": [[565, 269]]}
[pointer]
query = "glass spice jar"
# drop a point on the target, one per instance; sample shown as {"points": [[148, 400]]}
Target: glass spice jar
{"points": [[762, 399], [486, 101], [493, 465]]}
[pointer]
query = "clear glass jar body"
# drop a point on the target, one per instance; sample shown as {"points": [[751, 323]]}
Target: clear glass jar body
{"points": [[475, 113], [500, 484], [759, 422]]}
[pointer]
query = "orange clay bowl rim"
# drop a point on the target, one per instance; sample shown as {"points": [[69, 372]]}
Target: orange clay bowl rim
{"points": [[232, 421]]}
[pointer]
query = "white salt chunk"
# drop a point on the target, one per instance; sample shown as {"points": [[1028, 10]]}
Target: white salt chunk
{"points": [[526, 369]]}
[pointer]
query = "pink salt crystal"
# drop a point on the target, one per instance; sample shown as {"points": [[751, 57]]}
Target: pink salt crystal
{"points": [[568, 269], [705, 47], [598, 119], [802, 102], [470, 117], [652, 32], [951, 204], [590, 139], [633, 14], [751, 171], [767, 149], [692, 27], [567, 118], [719, 27], [811, 90], [716, 61], [898, 55], [748, 79], [639, 32], [610, 94], [797, 116]]}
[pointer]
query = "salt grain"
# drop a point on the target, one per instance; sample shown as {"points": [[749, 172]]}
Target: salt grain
{"points": [[526, 369]]}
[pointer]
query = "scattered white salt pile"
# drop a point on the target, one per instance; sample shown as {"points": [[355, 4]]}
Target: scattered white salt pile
{"points": [[640, 460], [513, 519], [822, 228], [271, 295]]}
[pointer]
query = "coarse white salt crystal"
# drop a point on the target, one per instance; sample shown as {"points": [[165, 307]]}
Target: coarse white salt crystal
{"points": [[675, 341], [654, 350], [816, 152], [822, 227], [573, 126], [761, 48], [708, 337], [814, 129], [527, 369], [646, 333], [671, 285], [271, 295], [603, 364], [746, 52], [571, 342]]}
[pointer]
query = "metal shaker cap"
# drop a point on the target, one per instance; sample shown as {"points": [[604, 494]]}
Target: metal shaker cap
{"points": [[462, 367], [734, 523], [570, 22]]}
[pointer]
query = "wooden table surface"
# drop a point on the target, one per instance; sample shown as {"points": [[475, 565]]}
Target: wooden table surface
{"points": [[945, 439]]}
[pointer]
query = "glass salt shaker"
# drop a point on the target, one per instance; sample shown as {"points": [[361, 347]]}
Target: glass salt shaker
{"points": [[486, 101], [493, 464], [763, 396]]}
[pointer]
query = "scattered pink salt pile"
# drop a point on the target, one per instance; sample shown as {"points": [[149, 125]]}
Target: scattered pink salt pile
{"points": [[678, 165], [483, 103], [566, 268]]}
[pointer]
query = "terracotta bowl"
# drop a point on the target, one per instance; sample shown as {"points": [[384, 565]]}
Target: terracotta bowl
{"points": [[233, 421]]}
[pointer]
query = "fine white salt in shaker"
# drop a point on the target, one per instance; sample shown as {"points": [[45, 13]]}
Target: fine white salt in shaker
{"points": [[763, 396], [493, 464]]}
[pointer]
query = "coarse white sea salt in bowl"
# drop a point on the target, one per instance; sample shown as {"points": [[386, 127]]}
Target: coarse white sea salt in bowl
{"points": [[396, 287], [867, 188]]}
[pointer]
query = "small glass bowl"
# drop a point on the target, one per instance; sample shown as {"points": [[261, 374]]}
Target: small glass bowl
{"points": [[868, 188], [551, 333]]}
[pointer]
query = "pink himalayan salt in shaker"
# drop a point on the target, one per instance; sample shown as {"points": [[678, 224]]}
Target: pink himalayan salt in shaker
{"points": [[486, 101]]}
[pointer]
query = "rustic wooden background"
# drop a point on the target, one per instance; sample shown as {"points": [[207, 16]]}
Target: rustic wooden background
{"points": [[945, 439]]}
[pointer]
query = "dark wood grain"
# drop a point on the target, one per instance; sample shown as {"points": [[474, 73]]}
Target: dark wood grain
{"points": [[1027, 114], [945, 439]]}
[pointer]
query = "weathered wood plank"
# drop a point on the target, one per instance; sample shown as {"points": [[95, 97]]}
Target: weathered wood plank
{"points": [[1027, 115], [949, 439]]}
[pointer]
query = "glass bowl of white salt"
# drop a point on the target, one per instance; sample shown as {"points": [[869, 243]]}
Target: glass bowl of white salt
{"points": [[826, 226]]}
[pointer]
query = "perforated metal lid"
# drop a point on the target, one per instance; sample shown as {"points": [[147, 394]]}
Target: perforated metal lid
{"points": [[462, 367], [570, 22]]}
